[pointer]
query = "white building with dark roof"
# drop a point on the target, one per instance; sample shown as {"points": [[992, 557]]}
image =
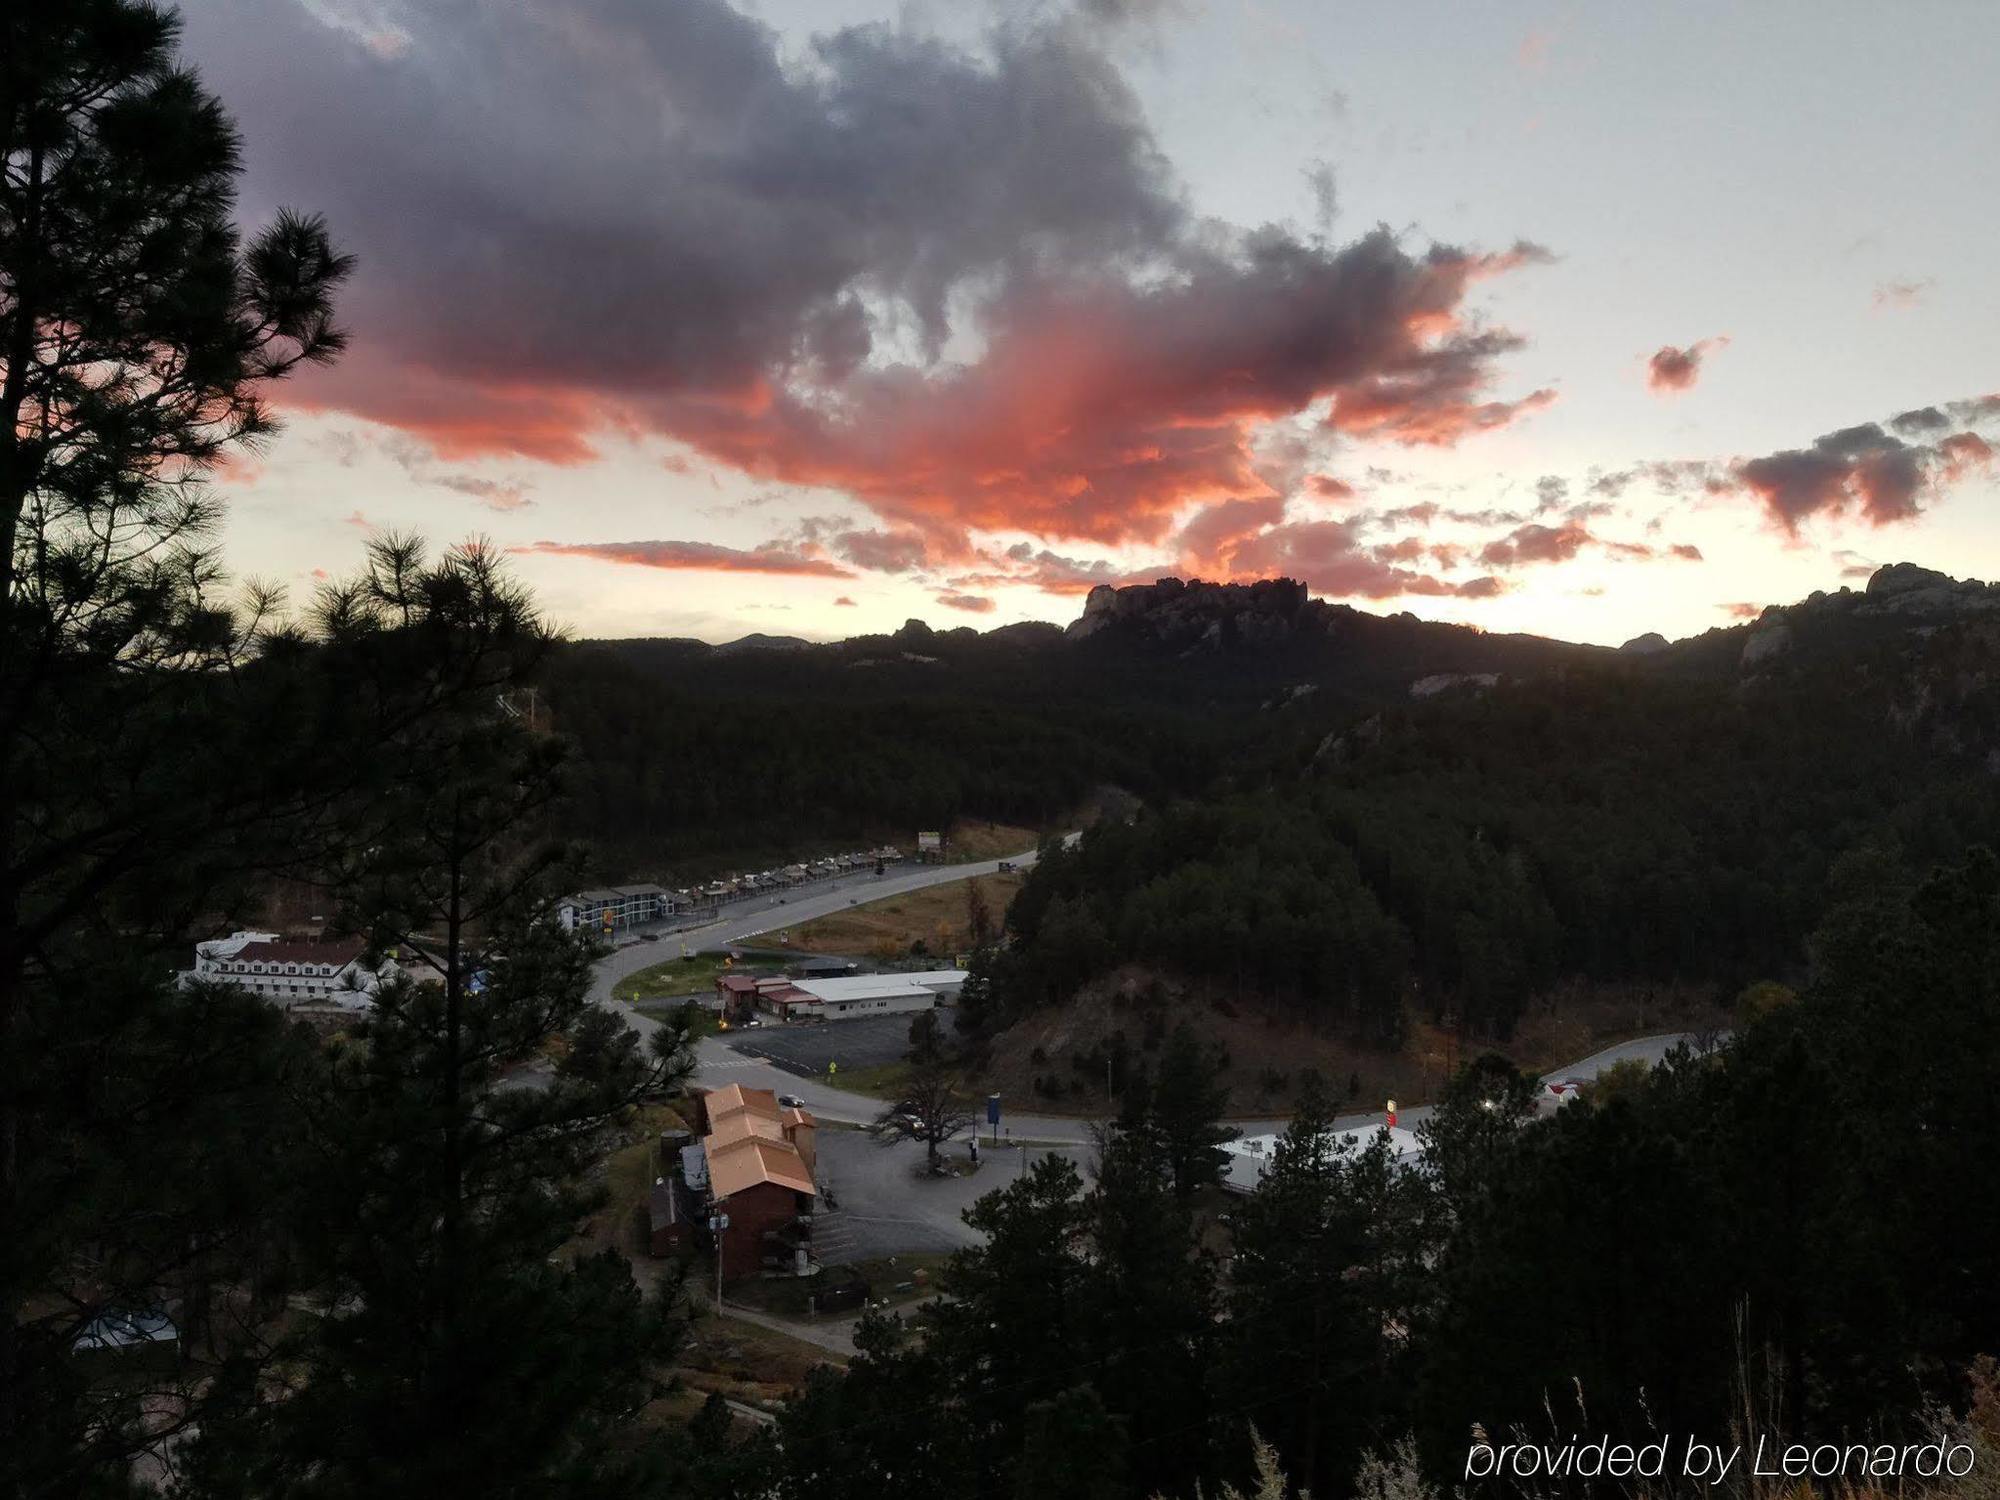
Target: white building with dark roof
{"points": [[333, 972]]}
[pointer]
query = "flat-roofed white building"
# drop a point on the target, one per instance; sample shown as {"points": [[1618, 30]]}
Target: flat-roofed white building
{"points": [[881, 994]]}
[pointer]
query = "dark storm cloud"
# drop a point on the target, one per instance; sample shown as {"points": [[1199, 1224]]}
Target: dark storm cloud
{"points": [[640, 217], [1861, 467], [1536, 544], [882, 551], [1869, 470], [686, 213], [1101, 408], [1923, 419], [1127, 12]]}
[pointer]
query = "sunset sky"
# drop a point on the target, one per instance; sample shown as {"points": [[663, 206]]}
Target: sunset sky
{"points": [[811, 316]]}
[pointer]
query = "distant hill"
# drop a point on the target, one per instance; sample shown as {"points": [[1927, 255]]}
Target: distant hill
{"points": [[762, 643], [689, 755], [1672, 816]]}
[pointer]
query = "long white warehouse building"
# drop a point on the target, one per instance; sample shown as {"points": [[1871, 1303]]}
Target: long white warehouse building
{"points": [[882, 994]]}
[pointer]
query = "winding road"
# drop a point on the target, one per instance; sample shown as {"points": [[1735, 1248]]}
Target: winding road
{"points": [[717, 1063]]}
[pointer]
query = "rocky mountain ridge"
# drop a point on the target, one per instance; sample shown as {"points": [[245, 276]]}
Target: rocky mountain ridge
{"points": [[1278, 634], [1898, 595]]}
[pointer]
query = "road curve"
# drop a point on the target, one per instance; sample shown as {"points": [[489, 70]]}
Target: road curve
{"points": [[772, 913], [717, 1063]]}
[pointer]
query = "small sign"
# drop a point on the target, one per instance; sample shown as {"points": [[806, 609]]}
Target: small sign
{"points": [[992, 1109], [929, 843]]}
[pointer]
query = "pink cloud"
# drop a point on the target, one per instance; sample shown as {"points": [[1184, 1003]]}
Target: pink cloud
{"points": [[1673, 369], [977, 604], [771, 557]]}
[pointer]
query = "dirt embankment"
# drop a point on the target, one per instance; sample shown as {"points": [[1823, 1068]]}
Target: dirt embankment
{"points": [[1059, 1059], [940, 917]]}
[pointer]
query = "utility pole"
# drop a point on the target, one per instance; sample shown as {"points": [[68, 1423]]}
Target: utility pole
{"points": [[716, 1225]]}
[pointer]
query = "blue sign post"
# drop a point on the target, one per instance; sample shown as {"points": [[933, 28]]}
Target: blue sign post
{"points": [[993, 1115]]}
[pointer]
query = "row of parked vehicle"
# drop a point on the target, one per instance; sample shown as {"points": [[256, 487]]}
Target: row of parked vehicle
{"points": [[732, 887]]}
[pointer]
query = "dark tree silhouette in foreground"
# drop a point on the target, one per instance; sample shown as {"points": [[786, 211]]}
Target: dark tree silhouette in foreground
{"points": [[138, 335]]}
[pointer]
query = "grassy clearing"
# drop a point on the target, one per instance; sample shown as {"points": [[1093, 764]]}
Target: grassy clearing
{"points": [[671, 978], [705, 1021], [882, 1081], [938, 916]]}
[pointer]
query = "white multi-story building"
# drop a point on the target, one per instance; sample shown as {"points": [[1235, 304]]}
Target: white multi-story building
{"points": [[289, 973], [615, 906]]}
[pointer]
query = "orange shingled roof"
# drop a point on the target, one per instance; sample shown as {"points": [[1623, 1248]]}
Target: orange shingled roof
{"points": [[752, 1160], [742, 1125], [747, 1141], [732, 1097]]}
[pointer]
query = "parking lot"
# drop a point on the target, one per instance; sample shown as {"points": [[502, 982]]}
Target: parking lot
{"points": [[806, 1048], [885, 1207]]}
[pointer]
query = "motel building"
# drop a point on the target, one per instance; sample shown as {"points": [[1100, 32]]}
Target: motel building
{"points": [[611, 908], [292, 973]]}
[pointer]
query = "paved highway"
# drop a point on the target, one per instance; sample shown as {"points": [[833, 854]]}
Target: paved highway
{"points": [[719, 1064], [774, 912]]}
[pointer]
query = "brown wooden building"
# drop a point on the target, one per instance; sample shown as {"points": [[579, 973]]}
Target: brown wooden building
{"points": [[760, 1176]]}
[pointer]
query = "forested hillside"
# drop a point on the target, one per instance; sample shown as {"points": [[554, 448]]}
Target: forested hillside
{"points": [[686, 753], [1789, 1238], [1671, 817]]}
